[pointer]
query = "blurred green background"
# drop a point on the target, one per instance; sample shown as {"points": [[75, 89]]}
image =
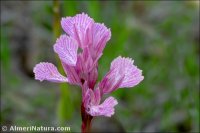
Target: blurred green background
{"points": [[161, 37]]}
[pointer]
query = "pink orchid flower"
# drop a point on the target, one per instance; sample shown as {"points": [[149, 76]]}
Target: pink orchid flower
{"points": [[82, 67]]}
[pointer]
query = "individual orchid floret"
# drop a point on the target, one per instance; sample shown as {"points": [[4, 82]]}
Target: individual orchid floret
{"points": [[47, 71], [105, 109], [87, 33], [91, 102], [90, 96], [122, 74], [78, 27]]}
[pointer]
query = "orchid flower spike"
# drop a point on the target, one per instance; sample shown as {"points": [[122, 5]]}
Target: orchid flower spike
{"points": [[81, 68]]}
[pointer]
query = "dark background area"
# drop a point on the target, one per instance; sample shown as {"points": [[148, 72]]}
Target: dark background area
{"points": [[161, 37]]}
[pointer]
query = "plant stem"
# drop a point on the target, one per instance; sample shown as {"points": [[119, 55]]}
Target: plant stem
{"points": [[86, 120]]}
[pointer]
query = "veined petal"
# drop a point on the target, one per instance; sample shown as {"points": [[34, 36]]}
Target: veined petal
{"points": [[71, 74], [104, 109], [78, 27], [84, 90], [97, 95], [84, 62], [100, 36], [132, 74], [111, 81], [122, 74], [89, 96], [47, 71], [92, 77], [86, 68], [66, 48]]}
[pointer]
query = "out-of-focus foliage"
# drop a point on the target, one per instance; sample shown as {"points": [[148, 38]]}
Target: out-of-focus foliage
{"points": [[161, 37]]}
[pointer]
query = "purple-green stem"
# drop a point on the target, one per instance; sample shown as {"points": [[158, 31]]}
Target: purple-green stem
{"points": [[86, 120]]}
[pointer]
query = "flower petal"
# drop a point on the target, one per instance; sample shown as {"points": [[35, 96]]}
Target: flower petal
{"points": [[97, 95], [132, 74], [86, 68], [104, 109], [92, 77], [100, 36], [66, 48], [122, 74], [71, 74], [47, 71], [78, 27], [89, 96], [86, 95]]}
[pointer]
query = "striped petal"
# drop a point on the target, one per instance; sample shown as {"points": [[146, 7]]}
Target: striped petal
{"points": [[100, 36], [78, 27], [122, 74], [104, 109], [72, 74], [47, 71], [132, 74], [66, 48]]}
